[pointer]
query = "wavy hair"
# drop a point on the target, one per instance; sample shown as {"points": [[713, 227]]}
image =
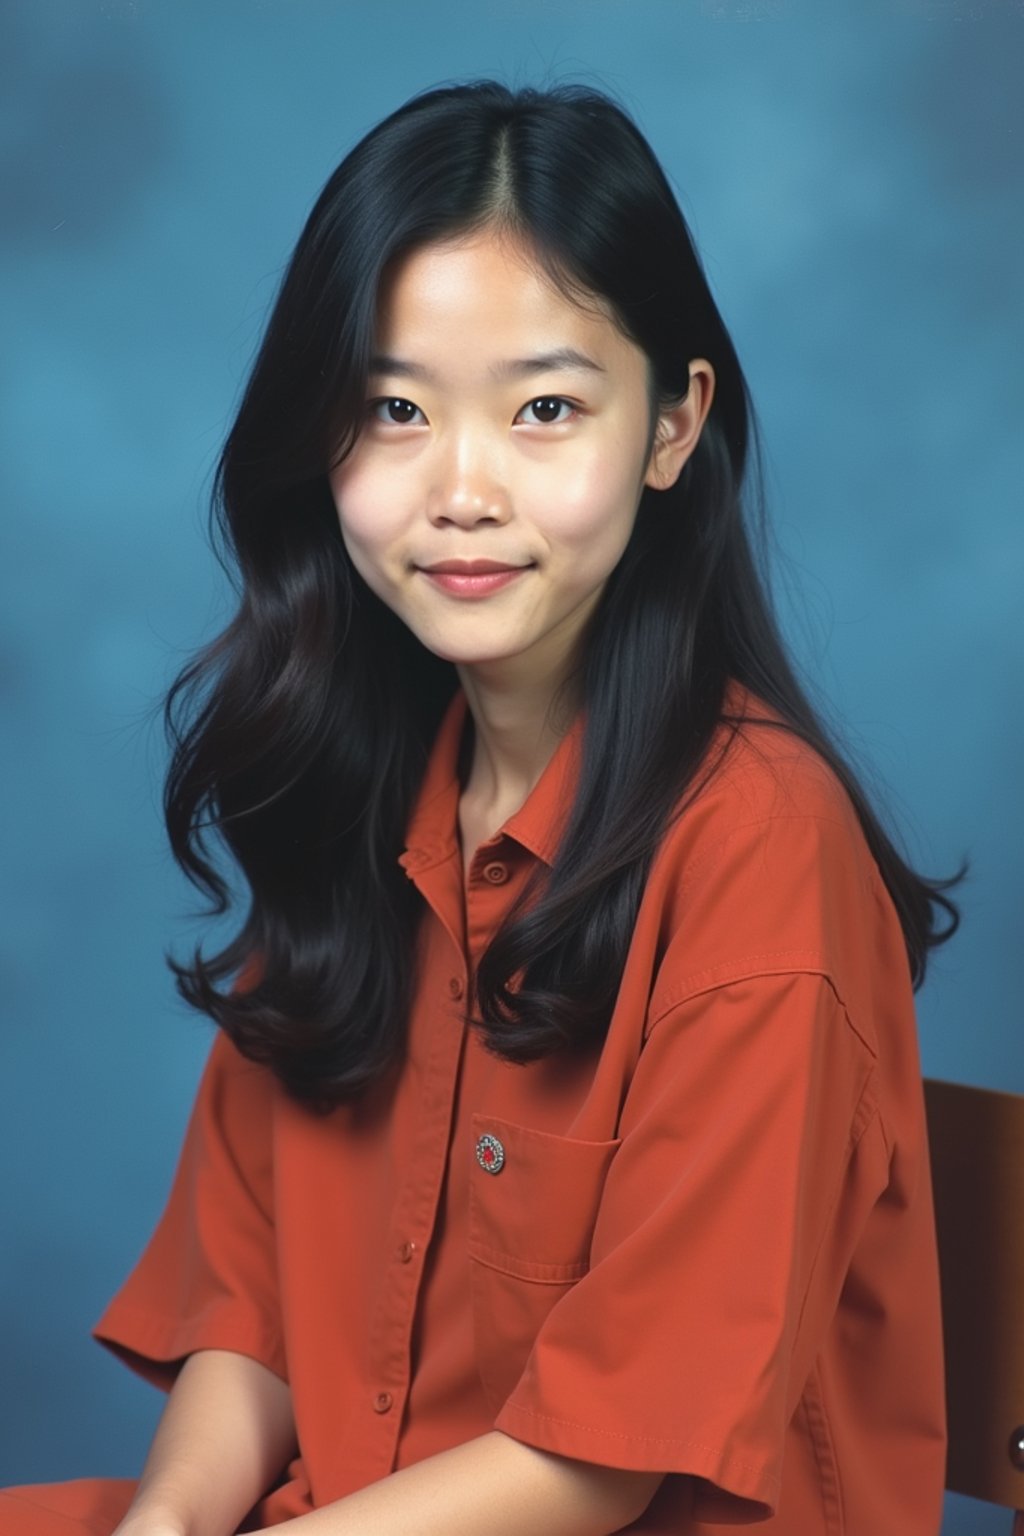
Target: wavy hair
{"points": [[300, 735]]}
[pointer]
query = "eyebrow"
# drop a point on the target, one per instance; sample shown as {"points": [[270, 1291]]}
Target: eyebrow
{"points": [[560, 358]]}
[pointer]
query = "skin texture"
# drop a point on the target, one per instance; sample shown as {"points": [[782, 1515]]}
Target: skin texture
{"points": [[225, 1434], [482, 462], [227, 1431]]}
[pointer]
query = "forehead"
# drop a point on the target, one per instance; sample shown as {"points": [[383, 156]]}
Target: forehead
{"points": [[491, 294]]}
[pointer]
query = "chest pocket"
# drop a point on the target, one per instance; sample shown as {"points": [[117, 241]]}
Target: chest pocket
{"points": [[530, 1229]]}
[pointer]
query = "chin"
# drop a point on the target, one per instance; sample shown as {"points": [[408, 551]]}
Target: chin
{"points": [[465, 653], [462, 657]]}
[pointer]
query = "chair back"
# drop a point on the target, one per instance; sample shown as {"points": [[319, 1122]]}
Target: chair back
{"points": [[976, 1138]]}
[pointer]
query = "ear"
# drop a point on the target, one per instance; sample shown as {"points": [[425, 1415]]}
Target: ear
{"points": [[679, 427]]}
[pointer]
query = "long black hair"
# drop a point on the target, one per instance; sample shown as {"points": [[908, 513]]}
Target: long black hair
{"points": [[300, 735]]}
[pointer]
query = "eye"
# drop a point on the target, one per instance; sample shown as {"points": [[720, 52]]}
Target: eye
{"points": [[393, 410], [546, 409]]}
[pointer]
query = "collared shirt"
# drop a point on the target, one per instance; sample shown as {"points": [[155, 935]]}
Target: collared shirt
{"points": [[703, 1248]]}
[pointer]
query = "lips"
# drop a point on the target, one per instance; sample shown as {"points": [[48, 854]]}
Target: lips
{"points": [[470, 567], [475, 583]]}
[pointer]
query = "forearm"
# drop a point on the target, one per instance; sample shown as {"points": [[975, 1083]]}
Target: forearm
{"points": [[224, 1437], [491, 1486]]}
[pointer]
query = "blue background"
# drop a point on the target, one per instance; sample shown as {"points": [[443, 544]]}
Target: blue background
{"points": [[853, 177]]}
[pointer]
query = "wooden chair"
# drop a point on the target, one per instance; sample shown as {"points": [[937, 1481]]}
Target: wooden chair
{"points": [[977, 1153]]}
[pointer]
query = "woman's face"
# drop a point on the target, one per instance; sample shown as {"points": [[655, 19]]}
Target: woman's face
{"points": [[503, 425]]}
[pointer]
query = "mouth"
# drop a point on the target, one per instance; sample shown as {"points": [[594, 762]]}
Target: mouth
{"points": [[478, 581], [469, 567]]}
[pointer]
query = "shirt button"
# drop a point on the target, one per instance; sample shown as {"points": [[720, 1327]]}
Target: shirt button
{"points": [[496, 873], [406, 1251], [382, 1402], [455, 986]]}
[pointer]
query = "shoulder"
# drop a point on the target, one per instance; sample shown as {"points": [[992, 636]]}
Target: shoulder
{"points": [[759, 771], [763, 796], [765, 869]]}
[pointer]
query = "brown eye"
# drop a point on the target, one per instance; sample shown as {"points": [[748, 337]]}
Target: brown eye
{"points": [[547, 409], [395, 410]]}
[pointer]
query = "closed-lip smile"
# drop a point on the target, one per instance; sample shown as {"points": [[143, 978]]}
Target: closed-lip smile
{"points": [[470, 567]]}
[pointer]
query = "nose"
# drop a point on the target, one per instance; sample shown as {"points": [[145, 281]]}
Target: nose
{"points": [[469, 484]]}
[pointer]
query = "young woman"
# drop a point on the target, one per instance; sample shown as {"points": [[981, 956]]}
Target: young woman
{"points": [[559, 1166]]}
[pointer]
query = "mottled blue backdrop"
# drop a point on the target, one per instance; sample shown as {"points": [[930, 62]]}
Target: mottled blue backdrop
{"points": [[853, 174]]}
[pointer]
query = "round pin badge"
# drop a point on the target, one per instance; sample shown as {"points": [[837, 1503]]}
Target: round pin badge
{"points": [[490, 1154]]}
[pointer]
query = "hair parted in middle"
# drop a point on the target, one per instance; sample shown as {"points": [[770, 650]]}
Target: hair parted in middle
{"points": [[301, 733]]}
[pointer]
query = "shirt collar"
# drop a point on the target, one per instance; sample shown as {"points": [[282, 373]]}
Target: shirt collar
{"points": [[432, 831]]}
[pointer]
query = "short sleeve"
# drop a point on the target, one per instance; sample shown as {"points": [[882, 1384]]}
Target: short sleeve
{"points": [[750, 1158], [207, 1278]]}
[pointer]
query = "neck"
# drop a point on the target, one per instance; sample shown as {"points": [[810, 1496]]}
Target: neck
{"points": [[516, 732]]}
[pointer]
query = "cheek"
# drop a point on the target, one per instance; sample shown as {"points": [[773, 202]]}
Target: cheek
{"points": [[590, 510], [364, 530], [368, 506]]}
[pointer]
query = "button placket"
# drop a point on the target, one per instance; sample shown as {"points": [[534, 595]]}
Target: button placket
{"points": [[398, 1301], [493, 878]]}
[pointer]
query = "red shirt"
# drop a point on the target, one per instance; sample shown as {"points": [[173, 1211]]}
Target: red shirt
{"points": [[707, 1248]]}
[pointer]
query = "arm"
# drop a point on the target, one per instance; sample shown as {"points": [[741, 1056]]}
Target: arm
{"points": [[490, 1486], [225, 1435]]}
